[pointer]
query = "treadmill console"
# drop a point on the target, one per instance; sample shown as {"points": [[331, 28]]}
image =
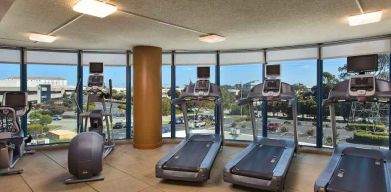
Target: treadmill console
{"points": [[272, 84], [271, 88], [202, 88], [362, 85]]}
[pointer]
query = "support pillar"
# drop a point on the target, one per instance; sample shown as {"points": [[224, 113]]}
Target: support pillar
{"points": [[147, 84]]}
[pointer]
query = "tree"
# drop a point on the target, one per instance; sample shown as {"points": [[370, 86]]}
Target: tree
{"points": [[122, 107], [40, 118], [36, 129], [166, 106], [120, 96]]}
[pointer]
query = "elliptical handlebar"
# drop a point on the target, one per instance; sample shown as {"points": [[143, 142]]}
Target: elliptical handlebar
{"points": [[29, 107]]}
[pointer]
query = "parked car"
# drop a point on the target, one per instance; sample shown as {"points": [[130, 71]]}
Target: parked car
{"points": [[273, 126], [199, 124], [57, 117], [179, 120], [165, 130], [118, 125]]}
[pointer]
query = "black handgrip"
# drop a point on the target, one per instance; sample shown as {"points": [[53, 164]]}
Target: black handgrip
{"points": [[30, 105], [110, 88]]}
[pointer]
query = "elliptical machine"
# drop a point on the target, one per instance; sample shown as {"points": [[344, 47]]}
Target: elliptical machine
{"points": [[87, 149], [12, 139]]}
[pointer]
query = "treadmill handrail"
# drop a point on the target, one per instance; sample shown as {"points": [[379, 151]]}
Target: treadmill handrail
{"points": [[287, 95]]}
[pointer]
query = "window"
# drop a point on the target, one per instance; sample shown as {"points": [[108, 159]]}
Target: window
{"points": [[10, 71], [51, 88], [9, 78], [117, 74], [166, 101], [280, 123], [114, 69], [236, 82], [359, 123], [200, 114]]}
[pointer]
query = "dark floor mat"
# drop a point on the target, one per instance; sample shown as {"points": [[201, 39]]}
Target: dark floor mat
{"points": [[259, 162], [190, 157], [358, 174]]}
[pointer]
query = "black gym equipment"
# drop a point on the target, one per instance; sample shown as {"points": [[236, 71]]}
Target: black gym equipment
{"points": [[12, 139], [265, 162], [87, 149], [192, 159], [354, 167]]}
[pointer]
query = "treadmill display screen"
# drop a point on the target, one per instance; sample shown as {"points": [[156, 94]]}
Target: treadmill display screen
{"points": [[271, 85], [364, 63], [203, 72], [361, 83], [96, 67], [273, 70]]}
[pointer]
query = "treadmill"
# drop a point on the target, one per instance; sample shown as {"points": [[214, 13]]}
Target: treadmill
{"points": [[192, 159], [354, 167], [265, 162]]}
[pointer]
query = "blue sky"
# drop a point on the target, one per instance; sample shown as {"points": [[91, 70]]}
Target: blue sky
{"points": [[292, 72]]}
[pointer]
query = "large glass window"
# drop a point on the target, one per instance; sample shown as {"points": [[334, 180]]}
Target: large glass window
{"points": [[200, 114], [117, 74], [10, 71], [356, 122], [9, 78], [51, 89], [166, 101], [301, 74], [236, 82]]}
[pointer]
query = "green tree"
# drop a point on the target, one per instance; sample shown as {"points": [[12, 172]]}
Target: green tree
{"points": [[122, 107], [120, 96], [166, 106], [40, 118], [35, 129]]}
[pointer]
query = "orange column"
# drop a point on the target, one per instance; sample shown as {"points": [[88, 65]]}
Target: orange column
{"points": [[147, 97]]}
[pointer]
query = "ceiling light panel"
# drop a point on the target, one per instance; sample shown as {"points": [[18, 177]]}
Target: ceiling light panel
{"points": [[365, 18], [211, 38], [94, 8], [42, 38]]}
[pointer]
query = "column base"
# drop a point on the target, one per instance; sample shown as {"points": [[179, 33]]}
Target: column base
{"points": [[147, 146]]}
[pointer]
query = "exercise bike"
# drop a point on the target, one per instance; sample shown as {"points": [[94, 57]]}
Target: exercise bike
{"points": [[12, 139]]}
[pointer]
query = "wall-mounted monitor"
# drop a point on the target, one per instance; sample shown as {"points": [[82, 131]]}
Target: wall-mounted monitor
{"points": [[96, 67], [203, 72], [362, 63], [273, 70]]}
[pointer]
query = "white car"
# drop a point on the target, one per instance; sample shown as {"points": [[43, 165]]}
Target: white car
{"points": [[199, 124], [57, 117]]}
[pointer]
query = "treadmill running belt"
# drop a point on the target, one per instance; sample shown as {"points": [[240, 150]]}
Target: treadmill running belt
{"points": [[259, 162], [358, 174], [190, 157]]}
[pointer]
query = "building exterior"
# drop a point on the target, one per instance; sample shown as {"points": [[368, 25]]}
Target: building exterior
{"points": [[39, 88]]}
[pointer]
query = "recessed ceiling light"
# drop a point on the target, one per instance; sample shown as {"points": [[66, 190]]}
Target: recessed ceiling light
{"points": [[365, 18], [94, 8], [211, 38], [42, 38]]}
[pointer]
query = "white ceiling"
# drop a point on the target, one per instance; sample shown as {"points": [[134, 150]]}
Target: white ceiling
{"points": [[247, 24]]}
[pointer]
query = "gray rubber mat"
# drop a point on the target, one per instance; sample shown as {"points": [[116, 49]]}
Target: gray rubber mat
{"points": [[190, 157], [259, 162], [358, 174]]}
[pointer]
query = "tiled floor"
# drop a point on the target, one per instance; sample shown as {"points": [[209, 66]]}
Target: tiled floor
{"points": [[129, 169]]}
